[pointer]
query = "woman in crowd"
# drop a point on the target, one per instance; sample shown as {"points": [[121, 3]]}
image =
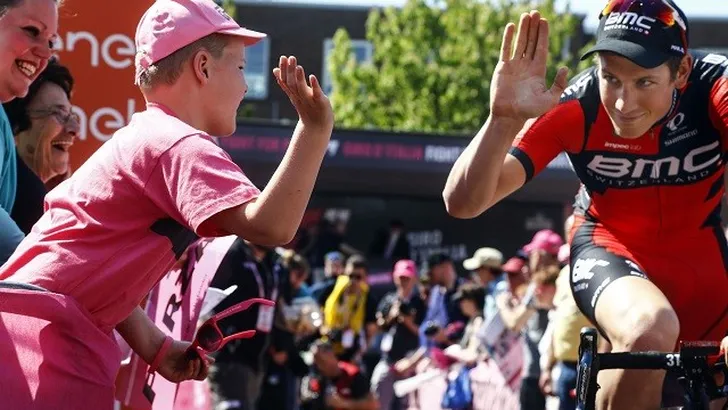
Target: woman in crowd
{"points": [[27, 30], [471, 298], [45, 128]]}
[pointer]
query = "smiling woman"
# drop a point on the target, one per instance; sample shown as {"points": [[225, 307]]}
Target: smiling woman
{"points": [[27, 30], [44, 128]]}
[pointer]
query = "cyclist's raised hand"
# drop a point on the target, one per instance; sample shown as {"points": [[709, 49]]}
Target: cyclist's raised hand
{"points": [[518, 89], [724, 348]]}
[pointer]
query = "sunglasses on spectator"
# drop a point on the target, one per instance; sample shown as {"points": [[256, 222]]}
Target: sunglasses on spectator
{"points": [[356, 276], [63, 117], [210, 338]]}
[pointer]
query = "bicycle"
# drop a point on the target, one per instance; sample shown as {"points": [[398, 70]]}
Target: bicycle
{"points": [[694, 366]]}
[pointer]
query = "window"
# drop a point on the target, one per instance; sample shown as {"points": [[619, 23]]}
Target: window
{"points": [[257, 69], [362, 51]]}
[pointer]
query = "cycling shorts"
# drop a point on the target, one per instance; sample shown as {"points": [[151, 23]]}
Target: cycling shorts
{"points": [[691, 271]]}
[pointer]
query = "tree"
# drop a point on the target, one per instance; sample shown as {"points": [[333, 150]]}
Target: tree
{"points": [[432, 64], [230, 8]]}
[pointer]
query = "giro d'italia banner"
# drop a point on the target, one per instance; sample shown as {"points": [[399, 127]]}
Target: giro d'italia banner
{"points": [[96, 43]]}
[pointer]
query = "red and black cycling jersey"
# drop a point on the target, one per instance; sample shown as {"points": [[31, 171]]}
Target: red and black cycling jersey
{"points": [[667, 181]]}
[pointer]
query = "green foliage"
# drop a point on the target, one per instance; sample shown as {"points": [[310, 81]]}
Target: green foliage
{"points": [[432, 63], [229, 7]]}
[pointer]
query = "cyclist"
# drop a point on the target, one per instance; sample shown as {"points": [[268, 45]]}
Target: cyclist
{"points": [[646, 132]]}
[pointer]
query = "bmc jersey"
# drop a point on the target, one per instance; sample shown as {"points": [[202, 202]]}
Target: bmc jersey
{"points": [[648, 207], [668, 181]]}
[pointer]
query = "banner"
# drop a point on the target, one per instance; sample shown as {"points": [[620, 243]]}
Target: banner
{"points": [[367, 149], [174, 305], [96, 42]]}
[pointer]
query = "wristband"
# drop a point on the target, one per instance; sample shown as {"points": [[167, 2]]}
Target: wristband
{"points": [[160, 354]]}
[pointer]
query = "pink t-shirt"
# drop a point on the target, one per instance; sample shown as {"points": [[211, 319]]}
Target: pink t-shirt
{"points": [[116, 226]]}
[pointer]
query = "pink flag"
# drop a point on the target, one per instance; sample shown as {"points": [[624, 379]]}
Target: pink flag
{"points": [[174, 305]]}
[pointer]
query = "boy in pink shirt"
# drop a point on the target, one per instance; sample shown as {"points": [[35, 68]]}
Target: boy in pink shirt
{"points": [[115, 228]]}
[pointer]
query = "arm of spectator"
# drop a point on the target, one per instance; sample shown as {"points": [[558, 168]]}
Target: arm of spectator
{"points": [[10, 236], [408, 321], [142, 335], [514, 316]]}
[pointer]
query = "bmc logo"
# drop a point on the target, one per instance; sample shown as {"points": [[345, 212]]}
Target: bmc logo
{"points": [[693, 162], [629, 21], [583, 268]]}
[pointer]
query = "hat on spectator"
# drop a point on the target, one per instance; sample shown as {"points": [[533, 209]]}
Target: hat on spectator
{"points": [[484, 258], [169, 25], [334, 256], [514, 265], [406, 268], [545, 240]]}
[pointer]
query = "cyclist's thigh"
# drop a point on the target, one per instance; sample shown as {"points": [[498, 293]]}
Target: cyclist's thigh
{"points": [[608, 284], [692, 274]]}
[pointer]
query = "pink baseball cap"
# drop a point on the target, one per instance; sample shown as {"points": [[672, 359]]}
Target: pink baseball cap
{"points": [[514, 266], [545, 240], [169, 25], [405, 267]]}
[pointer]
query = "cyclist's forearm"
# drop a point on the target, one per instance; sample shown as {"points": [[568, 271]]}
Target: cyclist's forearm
{"points": [[472, 183]]}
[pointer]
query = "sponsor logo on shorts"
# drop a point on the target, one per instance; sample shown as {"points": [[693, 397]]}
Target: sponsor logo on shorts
{"points": [[583, 268], [581, 287], [599, 291]]}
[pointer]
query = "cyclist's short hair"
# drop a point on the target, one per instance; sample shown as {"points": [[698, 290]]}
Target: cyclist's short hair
{"points": [[167, 70], [673, 63], [546, 275]]}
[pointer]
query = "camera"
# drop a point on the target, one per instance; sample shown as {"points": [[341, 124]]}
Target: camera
{"points": [[431, 329]]}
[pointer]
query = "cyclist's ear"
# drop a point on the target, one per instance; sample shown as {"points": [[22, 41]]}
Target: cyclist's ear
{"points": [[683, 71]]}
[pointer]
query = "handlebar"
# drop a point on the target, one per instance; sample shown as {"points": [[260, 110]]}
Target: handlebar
{"points": [[694, 363], [639, 360]]}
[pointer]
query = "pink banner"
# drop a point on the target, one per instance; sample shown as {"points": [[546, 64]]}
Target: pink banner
{"points": [[174, 305]]}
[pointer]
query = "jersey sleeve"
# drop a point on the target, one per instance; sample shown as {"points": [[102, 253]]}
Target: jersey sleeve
{"points": [[718, 106], [544, 138], [194, 180]]}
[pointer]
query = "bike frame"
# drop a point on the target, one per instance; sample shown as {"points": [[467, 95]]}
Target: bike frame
{"points": [[694, 365]]}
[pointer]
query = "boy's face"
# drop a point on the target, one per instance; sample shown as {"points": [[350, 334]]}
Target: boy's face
{"points": [[225, 89]]}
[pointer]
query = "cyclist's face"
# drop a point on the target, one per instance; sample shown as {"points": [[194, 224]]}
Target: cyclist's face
{"points": [[635, 97]]}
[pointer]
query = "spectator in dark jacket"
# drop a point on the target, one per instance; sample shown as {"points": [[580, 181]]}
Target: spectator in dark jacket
{"points": [[237, 375]]}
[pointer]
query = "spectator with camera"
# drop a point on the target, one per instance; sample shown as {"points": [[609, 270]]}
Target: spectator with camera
{"points": [[399, 316], [334, 384], [441, 308]]}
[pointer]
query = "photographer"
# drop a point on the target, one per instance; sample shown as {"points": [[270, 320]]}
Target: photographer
{"points": [[399, 316], [334, 384]]}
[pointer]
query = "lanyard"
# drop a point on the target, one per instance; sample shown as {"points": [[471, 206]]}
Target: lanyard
{"points": [[252, 266]]}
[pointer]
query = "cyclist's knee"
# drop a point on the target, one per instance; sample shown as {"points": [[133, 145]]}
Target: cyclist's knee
{"points": [[648, 328]]}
